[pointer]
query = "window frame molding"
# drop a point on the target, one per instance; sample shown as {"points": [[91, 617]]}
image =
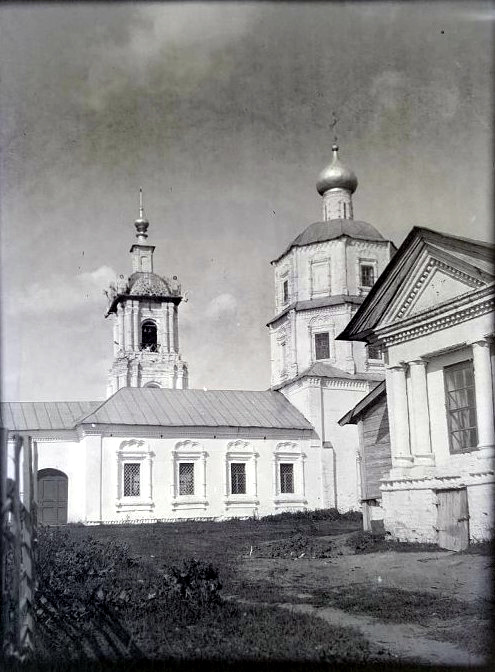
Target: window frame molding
{"points": [[315, 262], [320, 325], [184, 452], [363, 261], [243, 452], [135, 451], [282, 276], [471, 449], [289, 452]]}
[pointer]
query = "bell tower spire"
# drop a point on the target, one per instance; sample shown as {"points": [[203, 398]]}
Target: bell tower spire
{"points": [[142, 252]]}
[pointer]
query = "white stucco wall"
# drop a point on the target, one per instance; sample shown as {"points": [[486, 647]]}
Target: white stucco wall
{"points": [[409, 493], [70, 458], [323, 406], [93, 469]]}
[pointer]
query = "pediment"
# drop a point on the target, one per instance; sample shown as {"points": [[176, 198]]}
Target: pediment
{"points": [[433, 283]]}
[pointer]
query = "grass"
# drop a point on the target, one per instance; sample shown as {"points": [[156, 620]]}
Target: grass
{"points": [[116, 595], [220, 543], [395, 605], [124, 592], [366, 542]]}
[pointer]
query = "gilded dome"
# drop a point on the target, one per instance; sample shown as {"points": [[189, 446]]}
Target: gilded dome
{"points": [[336, 176]]}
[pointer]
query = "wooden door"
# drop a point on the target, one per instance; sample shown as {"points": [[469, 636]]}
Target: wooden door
{"points": [[52, 497], [453, 519]]}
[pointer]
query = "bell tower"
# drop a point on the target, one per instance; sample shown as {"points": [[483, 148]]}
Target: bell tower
{"points": [[144, 308]]}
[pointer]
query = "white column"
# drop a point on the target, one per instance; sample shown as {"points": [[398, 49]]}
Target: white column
{"points": [[171, 332], [128, 327], [339, 261], [398, 416], [120, 320], [149, 477], [484, 398], [176, 328], [135, 324], [421, 415], [166, 327], [115, 336]]}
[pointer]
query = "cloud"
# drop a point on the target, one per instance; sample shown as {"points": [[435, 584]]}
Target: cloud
{"points": [[222, 306], [61, 293], [176, 39], [393, 92]]}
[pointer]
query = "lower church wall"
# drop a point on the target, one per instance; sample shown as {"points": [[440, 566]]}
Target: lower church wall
{"points": [[68, 458], [159, 480], [410, 514]]}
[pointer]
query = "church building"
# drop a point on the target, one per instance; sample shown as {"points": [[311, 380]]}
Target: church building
{"points": [[433, 311], [157, 450]]}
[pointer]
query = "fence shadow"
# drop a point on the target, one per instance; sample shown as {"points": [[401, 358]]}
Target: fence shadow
{"points": [[99, 637]]}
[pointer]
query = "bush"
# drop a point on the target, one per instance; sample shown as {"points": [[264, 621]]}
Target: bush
{"points": [[85, 586], [314, 515]]}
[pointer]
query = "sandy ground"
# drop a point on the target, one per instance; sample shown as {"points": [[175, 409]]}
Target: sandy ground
{"points": [[449, 574]]}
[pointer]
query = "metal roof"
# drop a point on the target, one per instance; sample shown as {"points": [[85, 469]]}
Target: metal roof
{"points": [[320, 302], [44, 415], [324, 370], [198, 408], [354, 414], [319, 232]]}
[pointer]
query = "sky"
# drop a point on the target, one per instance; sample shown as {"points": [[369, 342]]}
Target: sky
{"points": [[222, 113]]}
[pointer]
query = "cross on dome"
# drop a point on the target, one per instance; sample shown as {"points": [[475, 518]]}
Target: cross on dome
{"points": [[141, 222]]}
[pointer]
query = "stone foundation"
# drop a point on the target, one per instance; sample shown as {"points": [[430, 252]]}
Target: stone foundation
{"points": [[410, 507]]}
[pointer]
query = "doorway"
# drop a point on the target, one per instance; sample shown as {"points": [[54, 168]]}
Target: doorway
{"points": [[453, 519], [53, 487]]}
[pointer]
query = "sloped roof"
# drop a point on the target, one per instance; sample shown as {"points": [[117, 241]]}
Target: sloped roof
{"points": [[320, 302], [324, 370], [198, 408], [23, 416], [319, 232], [473, 254], [354, 414]]}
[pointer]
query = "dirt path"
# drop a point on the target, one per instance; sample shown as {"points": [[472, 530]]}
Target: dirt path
{"points": [[465, 577], [406, 642], [295, 583]]}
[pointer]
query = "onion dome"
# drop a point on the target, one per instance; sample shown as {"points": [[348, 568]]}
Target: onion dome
{"points": [[336, 176]]}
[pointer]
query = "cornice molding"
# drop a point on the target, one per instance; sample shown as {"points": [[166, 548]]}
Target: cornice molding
{"points": [[459, 310], [431, 266]]}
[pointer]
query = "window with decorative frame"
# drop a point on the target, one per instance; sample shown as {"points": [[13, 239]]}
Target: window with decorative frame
{"points": [[461, 407], [286, 478], [189, 470], [288, 475], [134, 476], [186, 478], [238, 478], [374, 352], [132, 479], [321, 345], [285, 292], [367, 273], [241, 475]]}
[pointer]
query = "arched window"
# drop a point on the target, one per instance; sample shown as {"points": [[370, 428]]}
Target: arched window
{"points": [[156, 385], [148, 336]]}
